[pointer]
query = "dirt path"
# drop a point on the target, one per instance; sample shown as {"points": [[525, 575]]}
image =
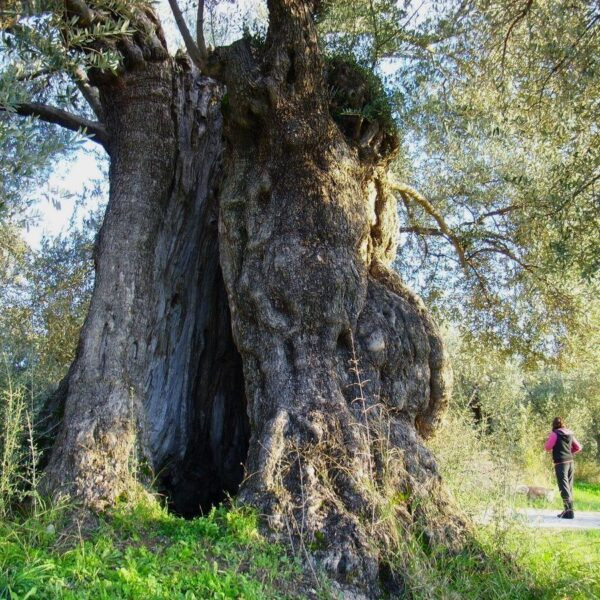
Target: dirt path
{"points": [[546, 518]]}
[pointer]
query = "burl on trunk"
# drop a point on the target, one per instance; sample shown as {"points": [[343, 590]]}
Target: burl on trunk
{"points": [[342, 363], [343, 367]]}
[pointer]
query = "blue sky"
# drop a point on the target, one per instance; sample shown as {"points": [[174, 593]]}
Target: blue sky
{"points": [[64, 186], [70, 176]]}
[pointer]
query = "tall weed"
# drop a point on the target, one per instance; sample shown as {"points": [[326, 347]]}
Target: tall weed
{"points": [[18, 453]]}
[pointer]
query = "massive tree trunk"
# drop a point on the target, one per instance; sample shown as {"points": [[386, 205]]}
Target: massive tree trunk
{"points": [[157, 383], [342, 363], [337, 368]]}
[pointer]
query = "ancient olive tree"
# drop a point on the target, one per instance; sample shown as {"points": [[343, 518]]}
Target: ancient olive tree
{"points": [[246, 333]]}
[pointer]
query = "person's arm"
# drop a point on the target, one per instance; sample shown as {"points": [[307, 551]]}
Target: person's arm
{"points": [[550, 442], [575, 446]]}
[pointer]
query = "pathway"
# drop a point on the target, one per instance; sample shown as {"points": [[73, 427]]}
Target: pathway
{"points": [[546, 518]]}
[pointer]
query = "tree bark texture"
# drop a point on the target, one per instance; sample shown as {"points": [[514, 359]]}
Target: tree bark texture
{"points": [[157, 381], [282, 352], [343, 366]]}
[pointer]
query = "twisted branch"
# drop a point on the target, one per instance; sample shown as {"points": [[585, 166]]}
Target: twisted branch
{"points": [[57, 116], [408, 194]]}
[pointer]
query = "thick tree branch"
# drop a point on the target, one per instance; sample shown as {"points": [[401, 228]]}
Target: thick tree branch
{"points": [[409, 193], [197, 54], [82, 10], [65, 119]]}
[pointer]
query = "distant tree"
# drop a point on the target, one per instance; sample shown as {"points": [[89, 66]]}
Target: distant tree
{"points": [[45, 296]]}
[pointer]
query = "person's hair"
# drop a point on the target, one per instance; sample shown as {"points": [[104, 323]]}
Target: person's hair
{"points": [[558, 423]]}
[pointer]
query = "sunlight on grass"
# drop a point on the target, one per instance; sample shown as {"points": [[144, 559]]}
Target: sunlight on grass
{"points": [[586, 498], [144, 552]]}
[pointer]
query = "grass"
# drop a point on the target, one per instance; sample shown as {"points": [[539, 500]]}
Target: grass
{"points": [[555, 565], [565, 564], [587, 496], [145, 552], [506, 562]]}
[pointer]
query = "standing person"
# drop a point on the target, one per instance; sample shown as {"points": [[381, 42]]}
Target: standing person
{"points": [[563, 445]]}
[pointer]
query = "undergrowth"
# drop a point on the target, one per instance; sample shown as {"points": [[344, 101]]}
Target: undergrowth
{"points": [[142, 551]]}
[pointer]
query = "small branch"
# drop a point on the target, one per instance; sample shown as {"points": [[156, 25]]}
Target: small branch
{"points": [[200, 29], [494, 213], [586, 185], [197, 55], [89, 92], [409, 193], [65, 119], [566, 59], [499, 248], [515, 22], [35, 74]]}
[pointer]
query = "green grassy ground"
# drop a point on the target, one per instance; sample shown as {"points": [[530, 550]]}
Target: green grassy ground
{"points": [[145, 553], [563, 565], [507, 563]]}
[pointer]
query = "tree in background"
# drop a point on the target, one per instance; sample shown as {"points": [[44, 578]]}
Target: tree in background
{"points": [[45, 298]]}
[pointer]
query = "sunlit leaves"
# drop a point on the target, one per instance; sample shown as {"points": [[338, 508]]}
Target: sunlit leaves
{"points": [[498, 105]]}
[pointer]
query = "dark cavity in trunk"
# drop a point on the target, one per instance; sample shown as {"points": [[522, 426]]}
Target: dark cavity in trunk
{"points": [[212, 467]]}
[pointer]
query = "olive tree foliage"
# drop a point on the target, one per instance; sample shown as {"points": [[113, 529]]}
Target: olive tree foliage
{"points": [[43, 293], [498, 104], [34, 76], [45, 296]]}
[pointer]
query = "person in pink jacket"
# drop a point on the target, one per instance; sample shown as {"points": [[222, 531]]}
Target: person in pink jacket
{"points": [[563, 445]]}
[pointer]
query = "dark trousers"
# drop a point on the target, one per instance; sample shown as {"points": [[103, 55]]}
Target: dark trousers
{"points": [[564, 477]]}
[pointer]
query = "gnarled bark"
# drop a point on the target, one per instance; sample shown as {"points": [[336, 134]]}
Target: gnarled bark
{"points": [[343, 368], [156, 378], [342, 362]]}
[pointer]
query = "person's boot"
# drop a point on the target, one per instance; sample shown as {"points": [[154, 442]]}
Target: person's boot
{"points": [[562, 514], [568, 512]]}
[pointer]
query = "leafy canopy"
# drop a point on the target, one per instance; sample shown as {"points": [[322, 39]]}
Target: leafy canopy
{"points": [[496, 103]]}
